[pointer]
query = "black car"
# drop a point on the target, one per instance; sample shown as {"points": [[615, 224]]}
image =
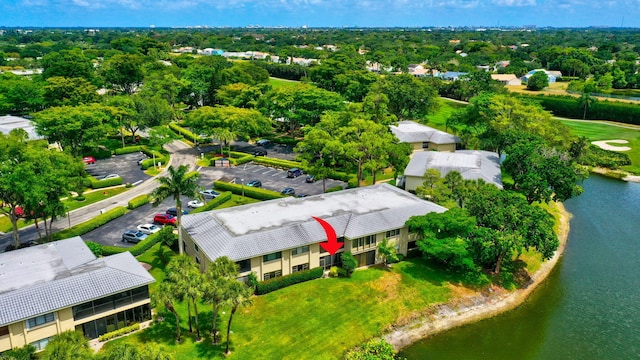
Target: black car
{"points": [[174, 212], [288, 191], [294, 172], [255, 183], [263, 142], [260, 153], [301, 195]]}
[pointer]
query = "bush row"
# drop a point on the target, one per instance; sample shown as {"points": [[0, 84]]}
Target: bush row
{"points": [[99, 184], [570, 107], [119, 332], [256, 193], [214, 203], [287, 280], [596, 156], [128, 149], [278, 163], [137, 249], [334, 189], [138, 201], [92, 224], [186, 133], [159, 157]]}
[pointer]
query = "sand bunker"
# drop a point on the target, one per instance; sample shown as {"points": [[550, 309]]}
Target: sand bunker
{"points": [[606, 144]]}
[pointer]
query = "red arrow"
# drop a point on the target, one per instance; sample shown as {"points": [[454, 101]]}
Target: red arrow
{"points": [[331, 245]]}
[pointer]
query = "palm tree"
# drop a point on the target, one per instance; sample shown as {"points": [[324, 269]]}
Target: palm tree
{"points": [[387, 251], [225, 136], [586, 101], [165, 295], [239, 295], [194, 281], [68, 345], [218, 278], [188, 281], [180, 182]]}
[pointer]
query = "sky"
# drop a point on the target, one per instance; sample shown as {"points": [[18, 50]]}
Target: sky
{"points": [[319, 13]]}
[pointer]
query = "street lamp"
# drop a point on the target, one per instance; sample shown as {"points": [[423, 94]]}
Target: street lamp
{"points": [[242, 181]]}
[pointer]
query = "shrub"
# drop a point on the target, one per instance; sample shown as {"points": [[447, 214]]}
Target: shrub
{"points": [[138, 201], [95, 248], [373, 349], [352, 183], [92, 224], [256, 193], [278, 163], [98, 184], [186, 133], [138, 249], [252, 281], [288, 280], [349, 262], [119, 332], [596, 156], [333, 271], [334, 188], [221, 199], [128, 149]]}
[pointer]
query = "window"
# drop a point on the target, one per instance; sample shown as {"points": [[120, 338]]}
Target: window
{"points": [[425, 145], [271, 275], [197, 260], [244, 265], [412, 245], [41, 344], [300, 250], [196, 247], [363, 242], [4, 330], [392, 233], [40, 320], [300, 267], [272, 256]]}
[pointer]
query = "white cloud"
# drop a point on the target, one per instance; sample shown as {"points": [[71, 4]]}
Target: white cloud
{"points": [[514, 2]]}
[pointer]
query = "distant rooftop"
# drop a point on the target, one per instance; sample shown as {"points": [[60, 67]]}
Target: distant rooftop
{"points": [[10, 122], [247, 231], [412, 132], [48, 277]]}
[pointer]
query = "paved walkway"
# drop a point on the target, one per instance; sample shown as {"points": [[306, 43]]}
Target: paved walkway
{"points": [[181, 154]]}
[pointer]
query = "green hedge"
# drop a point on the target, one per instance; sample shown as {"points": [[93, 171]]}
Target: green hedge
{"points": [[128, 149], [214, 203], [92, 224], [256, 193], [288, 280], [138, 201], [98, 184], [334, 189], [278, 163], [119, 332], [569, 107], [137, 249], [186, 133]]}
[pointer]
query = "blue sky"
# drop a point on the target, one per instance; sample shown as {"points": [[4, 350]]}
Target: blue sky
{"points": [[319, 13]]}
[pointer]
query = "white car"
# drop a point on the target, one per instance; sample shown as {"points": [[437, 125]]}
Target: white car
{"points": [[209, 193], [110, 176], [148, 228], [195, 204]]}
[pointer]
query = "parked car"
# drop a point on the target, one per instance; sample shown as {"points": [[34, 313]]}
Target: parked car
{"points": [[148, 228], [288, 191], [174, 212], [255, 183], [23, 245], [110, 176], [164, 219], [209, 193], [260, 153], [294, 172], [301, 195], [133, 236], [263, 142], [88, 160], [195, 204], [310, 179]]}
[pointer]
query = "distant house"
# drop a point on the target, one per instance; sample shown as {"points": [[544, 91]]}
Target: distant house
{"points": [[552, 75], [210, 51], [60, 286], [452, 75], [422, 137], [10, 122], [507, 79], [471, 164], [25, 72]]}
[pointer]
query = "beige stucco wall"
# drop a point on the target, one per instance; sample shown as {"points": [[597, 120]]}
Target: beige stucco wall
{"points": [[19, 336], [411, 183], [417, 146]]}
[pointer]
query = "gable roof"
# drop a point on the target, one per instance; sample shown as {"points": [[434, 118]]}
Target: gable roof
{"points": [[252, 230], [48, 277], [471, 164], [412, 132], [10, 122]]}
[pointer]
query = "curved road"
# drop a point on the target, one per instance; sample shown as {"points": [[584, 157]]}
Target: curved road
{"points": [[181, 154]]}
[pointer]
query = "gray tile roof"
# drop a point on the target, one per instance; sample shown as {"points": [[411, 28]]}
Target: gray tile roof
{"points": [[412, 132], [471, 164], [257, 229], [10, 122], [52, 276]]}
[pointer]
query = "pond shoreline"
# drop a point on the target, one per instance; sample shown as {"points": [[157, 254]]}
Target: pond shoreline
{"points": [[478, 306]]}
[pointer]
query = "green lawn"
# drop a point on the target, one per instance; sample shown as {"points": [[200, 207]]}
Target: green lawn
{"points": [[320, 319], [439, 119], [276, 82], [598, 131]]}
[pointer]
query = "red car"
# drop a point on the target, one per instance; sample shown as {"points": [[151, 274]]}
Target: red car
{"points": [[164, 219], [88, 160]]}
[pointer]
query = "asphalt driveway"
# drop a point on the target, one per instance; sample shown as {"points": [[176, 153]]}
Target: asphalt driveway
{"points": [[124, 165]]}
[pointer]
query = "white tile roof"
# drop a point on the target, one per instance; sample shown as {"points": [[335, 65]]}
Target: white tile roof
{"points": [[471, 164], [10, 122], [52, 276], [256, 229], [412, 132]]}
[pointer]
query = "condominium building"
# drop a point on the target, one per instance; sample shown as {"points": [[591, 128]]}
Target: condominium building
{"points": [[60, 286], [278, 237]]}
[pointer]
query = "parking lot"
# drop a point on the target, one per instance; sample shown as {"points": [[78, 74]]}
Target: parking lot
{"points": [[279, 151], [124, 165]]}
